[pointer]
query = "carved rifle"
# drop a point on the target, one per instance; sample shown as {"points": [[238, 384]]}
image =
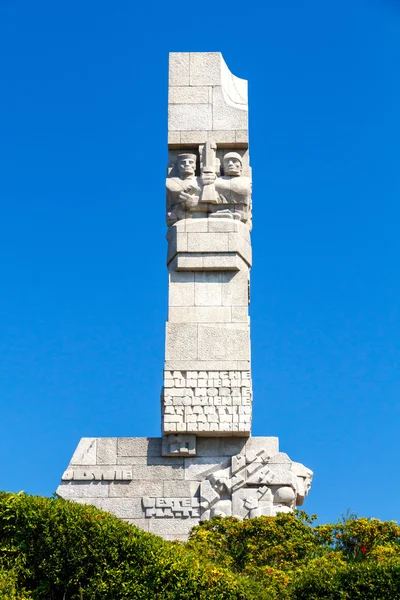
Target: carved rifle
{"points": [[209, 165]]}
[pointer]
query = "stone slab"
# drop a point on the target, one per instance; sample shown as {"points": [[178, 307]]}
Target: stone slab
{"points": [[139, 446], [85, 454], [106, 451]]}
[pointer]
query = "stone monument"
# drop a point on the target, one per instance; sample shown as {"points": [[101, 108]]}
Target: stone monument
{"points": [[206, 463]]}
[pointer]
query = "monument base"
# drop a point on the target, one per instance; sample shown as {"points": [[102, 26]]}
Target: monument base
{"points": [[168, 485]]}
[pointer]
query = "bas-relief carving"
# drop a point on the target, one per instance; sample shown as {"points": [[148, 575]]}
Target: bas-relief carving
{"points": [[249, 487], [96, 474], [211, 194], [171, 507], [207, 401], [179, 445]]}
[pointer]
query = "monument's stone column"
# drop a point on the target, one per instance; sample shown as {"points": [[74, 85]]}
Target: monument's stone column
{"points": [[206, 463], [207, 380]]}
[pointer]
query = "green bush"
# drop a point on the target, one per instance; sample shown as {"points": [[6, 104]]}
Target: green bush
{"points": [[51, 549], [65, 551], [279, 542], [289, 559], [9, 586]]}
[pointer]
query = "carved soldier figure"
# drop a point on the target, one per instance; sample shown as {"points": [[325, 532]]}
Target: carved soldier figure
{"points": [[183, 192], [233, 188]]}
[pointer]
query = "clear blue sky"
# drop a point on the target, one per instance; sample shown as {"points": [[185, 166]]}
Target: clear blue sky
{"points": [[83, 125]]}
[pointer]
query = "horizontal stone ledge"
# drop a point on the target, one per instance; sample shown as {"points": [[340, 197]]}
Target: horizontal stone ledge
{"points": [[206, 365], [224, 138], [208, 262]]}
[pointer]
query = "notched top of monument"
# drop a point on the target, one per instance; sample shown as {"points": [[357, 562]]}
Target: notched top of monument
{"points": [[206, 102]]}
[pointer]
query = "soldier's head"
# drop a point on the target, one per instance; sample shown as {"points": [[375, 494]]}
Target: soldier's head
{"points": [[233, 165], [186, 164]]}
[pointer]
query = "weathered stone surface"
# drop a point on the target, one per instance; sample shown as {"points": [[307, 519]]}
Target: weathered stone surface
{"points": [[139, 446], [136, 489], [190, 95], [200, 314], [81, 489], [190, 75], [172, 527], [106, 451], [85, 454]]}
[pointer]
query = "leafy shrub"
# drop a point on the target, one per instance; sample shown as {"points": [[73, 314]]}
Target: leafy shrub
{"points": [[289, 559], [279, 542], [66, 551], [59, 550], [9, 587]]}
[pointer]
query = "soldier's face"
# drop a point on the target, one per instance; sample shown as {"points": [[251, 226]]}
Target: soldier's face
{"points": [[187, 166], [232, 167]]}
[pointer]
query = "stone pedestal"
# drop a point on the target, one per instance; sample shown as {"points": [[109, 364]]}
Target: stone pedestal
{"points": [[206, 463], [168, 495]]}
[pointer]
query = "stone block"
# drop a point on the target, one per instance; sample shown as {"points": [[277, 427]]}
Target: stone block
{"points": [[243, 365], [223, 138], [181, 341], [223, 225], [139, 447], [220, 447], [172, 527], [280, 458], [198, 225], [205, 68], [193, 117], [157, 473], [181, 289], [237, 243], [199, 314], [242, 137], [85, 453], [124, 508], [227, 116], [207, 289], [174, 138], [223, 261], [235, 291], [210, 261], [83, 489], [229, 340], [208, 242], [191, 138], [240, 314], [107, 451], [177, 242], [136, 489], [197, 469], [190, 95], [206, 365], [189, 262], [181, 489], [179, 68]]}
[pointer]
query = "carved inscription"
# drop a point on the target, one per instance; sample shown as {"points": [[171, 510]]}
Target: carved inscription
{"points": [[178, 444], [171, 507], [97, 475], [197, 401]]}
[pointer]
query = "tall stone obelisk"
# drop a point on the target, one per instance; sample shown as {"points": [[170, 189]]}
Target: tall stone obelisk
{"points": [[206, 463], [207, 382]]}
